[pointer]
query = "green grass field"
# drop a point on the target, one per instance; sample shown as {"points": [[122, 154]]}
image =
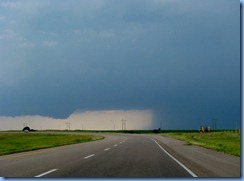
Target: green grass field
{"points": [[225, 141], [19, 142]]}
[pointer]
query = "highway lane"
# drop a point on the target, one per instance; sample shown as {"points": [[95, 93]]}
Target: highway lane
{"points": [[117, 156], [135, 157]]}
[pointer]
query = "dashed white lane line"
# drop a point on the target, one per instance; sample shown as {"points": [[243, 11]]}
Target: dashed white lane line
{"points": [[89, 156], [46, 173], [187, 169]]}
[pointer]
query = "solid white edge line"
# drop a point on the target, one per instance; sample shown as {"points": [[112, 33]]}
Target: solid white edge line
{"points": [[89, 156], [187, 169], [46, 173]]}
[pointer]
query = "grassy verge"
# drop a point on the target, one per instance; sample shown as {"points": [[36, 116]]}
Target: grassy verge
{"points": [[227, 142], [19, 142]]}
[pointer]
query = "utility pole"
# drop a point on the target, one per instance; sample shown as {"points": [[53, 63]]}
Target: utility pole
{"points": [[214, 124], [123, 124], [236, 127], [68, 126]]}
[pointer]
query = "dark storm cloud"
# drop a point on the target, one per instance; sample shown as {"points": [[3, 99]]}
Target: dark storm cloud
{"points": [[178, 58]]}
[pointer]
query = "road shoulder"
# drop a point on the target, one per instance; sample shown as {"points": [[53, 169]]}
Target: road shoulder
{"points": [[203, 162]]}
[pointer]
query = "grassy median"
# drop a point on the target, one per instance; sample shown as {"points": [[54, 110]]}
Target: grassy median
{"points": [[19, 142], [224, 141]]}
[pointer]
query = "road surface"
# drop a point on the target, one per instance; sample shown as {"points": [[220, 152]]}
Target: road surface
{"points": [[116, 156]]}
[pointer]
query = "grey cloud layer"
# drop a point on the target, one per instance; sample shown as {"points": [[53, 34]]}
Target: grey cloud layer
{"points": [[180, 58]]}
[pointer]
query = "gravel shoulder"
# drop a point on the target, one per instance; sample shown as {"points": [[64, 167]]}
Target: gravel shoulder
{"points": [[203, 162]]}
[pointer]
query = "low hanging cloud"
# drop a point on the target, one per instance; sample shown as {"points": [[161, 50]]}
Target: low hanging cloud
{"points": [[34, 122], [88, 120], [112, 120]]}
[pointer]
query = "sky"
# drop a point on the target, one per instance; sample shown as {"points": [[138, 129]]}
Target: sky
{"points": [[177, 60]]}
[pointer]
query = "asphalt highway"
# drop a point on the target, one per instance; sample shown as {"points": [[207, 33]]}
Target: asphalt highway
{"points": [[121, 156], [116, 156]]}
